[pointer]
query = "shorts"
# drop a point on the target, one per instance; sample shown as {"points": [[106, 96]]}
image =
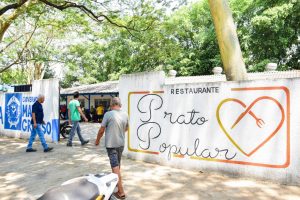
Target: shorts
{"points": [[115, 155]]}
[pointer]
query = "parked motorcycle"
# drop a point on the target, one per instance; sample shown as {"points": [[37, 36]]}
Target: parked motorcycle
{"points": [[65, 129], [89, 187]]}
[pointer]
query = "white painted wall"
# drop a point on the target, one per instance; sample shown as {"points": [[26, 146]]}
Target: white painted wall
{"points": [[21, 115], [186, 126]]}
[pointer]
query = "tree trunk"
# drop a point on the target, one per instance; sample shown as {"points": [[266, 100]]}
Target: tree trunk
{"points": [[35, 71], [229, 45], [38, 71], [30, 73]]}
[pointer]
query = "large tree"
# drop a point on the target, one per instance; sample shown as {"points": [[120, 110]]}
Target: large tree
{"points": [[269, 32], [96, 10], [82, 16], [184, 40]]}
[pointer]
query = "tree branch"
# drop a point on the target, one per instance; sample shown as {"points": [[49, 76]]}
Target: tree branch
{"points": [[47, 60], [64, 5], [90, 13], [11, 6], [9, 44], [20, 53], [87, 11], [5, 22]]}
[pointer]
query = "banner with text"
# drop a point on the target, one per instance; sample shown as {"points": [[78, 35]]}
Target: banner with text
{"points": [[16, 110], [227, 126], [221, 124]]}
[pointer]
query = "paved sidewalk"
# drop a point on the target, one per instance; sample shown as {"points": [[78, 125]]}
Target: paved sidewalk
{"points": [[28, 175]]}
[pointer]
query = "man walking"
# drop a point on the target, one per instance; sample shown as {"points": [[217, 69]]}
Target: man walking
{"points": [[37, 121], [74, 118], [115, 124]]}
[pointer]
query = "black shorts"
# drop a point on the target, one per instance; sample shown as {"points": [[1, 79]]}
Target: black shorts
{"points": [[115, 155]]}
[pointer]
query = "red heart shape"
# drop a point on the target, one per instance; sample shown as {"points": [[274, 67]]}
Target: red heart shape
{"points": [[247, 111]]}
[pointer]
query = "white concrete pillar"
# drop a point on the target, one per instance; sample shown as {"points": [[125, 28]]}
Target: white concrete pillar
{"points": [[217, 70], [172, 73], [271, 67]]}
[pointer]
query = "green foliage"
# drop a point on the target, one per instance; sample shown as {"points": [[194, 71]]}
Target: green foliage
{"points": [[269, 30], [192, 29], [13, 76], [186, 41], [183, 40], [259, 67]]}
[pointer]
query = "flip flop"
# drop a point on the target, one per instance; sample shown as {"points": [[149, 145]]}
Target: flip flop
{"points": [[119, 197]]}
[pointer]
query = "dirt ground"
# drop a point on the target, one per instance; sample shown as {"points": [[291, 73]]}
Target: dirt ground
{"points": [[29, 175]]}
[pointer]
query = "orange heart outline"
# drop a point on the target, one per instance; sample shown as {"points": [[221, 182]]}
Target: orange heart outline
{"points": [[249, 108]]}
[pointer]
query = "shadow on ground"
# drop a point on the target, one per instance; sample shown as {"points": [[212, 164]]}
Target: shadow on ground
{"points": [[29, 175]]}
